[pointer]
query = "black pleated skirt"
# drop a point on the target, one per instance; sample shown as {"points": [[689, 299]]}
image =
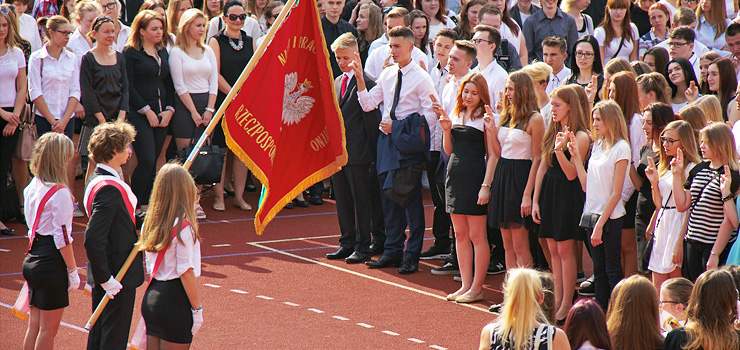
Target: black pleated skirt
{"points": [[166, 311], [46, 273], [507, 189]]}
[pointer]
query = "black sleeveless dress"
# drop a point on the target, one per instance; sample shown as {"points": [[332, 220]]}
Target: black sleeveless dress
{"points": [[561, 204], [466, 170], [232, 65]]}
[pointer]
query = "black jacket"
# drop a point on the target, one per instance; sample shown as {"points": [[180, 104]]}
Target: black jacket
{"points": [[516, 15], [360, 127], [149, 83]]}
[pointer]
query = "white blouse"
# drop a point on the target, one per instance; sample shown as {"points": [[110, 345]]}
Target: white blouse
{"points": [[610, 48], [179, 257], [59, 81], [10, 64], [78, 44], [202, 74], [56, 218]]}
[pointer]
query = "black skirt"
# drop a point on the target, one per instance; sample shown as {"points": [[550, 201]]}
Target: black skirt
{"points": [[166, 311], [46, 273], [561, 204], [183, 126], [507, 189]]}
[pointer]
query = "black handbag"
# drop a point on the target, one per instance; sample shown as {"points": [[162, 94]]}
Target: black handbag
{"points": [[405, 181], [207, 165], [588, 220]]}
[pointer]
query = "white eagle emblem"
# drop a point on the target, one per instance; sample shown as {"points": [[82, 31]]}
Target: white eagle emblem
{"points": [[295, 106]]}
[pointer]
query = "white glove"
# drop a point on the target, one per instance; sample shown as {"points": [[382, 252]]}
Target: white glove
{"points": [[112, 287], [73, 279], [197, 319]]}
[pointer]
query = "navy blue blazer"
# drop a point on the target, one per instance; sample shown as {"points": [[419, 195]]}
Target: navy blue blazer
{"points": [[407, 144]]}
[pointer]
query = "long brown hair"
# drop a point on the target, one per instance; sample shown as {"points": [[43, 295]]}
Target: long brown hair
{"points": [[174, 196], [711, 312], [606, 23], [611, 116], [464, 20], [727, 82], [633, 319], [441, 12], [716, 17], [576, 120], [626, 95], [374, 27], [172, 8], [524, 101], [656, 83], [479, 81], [141, 22]]}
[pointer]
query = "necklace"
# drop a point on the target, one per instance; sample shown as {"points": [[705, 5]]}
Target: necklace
{"points": [[239, 45]]}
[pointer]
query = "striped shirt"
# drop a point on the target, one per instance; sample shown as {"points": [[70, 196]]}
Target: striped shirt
{"points": [[707, 208]]}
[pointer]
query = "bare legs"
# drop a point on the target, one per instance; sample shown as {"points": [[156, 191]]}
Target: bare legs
{"points": [[564, 273], [629, 252], [154, 343], [659, 278], [43, 326], [471, 229], [516, 245]]}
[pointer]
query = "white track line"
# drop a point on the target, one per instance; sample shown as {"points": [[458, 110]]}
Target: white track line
{"points": [[440, 297], [418, 341], [4, 250], [290, 304], [265, 297], [390, 332], [341, 318], [316, 310], [295, 239], [221, 245], [65, 324], [365, 325], [239, 291], [437, 347], [211, 285]]}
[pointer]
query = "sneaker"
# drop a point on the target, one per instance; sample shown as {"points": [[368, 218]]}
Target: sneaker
{"points": [[495, 268], [77, 212], [457, 278], [446, 269], [435, 252], [496, 308], [200, 214], [581, 277], [587, 287]]}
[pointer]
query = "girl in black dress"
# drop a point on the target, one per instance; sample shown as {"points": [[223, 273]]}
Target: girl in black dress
{"points": [[558, 196], [103, 83], [152, 97], [468, 183], [233, 49]]}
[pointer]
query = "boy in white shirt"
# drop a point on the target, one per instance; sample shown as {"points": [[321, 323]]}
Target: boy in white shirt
{"points": [[27, 27]]}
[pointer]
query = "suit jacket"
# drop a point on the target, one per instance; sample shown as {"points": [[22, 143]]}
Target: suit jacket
{"points": [[109, 238], [406, 145], [360, 127], [516, 15]]}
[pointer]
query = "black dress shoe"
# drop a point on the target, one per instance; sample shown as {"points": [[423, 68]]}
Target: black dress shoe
{"points": [[341, 253], [300, 204], [377, 248], [316, 199], [408, 267], [7, 232], [384, 261], [357, 258], [289, 206]]}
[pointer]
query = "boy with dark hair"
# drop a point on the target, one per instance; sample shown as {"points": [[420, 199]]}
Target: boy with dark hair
{"points": [[555, 55]]}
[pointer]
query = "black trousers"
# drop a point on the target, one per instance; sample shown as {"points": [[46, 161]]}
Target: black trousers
{"points": [[111, 331], [147, 146], [378, 221], [696, 256], [7, 147], [351, 190], [442, 222]]}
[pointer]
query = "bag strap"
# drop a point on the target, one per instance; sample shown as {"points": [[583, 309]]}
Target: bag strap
{"points": [[621, 43], [40, 210], [124, 195], [160, 255]]}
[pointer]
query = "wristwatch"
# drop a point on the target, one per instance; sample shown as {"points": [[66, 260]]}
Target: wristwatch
{"points": [[209, 109]]}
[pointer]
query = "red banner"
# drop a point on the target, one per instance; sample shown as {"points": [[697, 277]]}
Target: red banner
{"points": [[285, 122]]}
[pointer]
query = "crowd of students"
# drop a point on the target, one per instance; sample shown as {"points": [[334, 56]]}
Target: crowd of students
{"points": [[604, 125]]}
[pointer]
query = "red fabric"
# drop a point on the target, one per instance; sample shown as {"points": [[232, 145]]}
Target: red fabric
{"points": [[124, 194], [36, 221], [288, 154]]}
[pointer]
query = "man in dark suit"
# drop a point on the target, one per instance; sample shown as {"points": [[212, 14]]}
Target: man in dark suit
{"points": [[110, 236], [523, 8], [351, 184]]}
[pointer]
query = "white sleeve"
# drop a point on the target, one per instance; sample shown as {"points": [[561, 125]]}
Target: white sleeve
{"points": [[252, 28], [61, 209], [637, 138], [184, 254], [600, 35], [373, 65], [426, 88], [35, 84], [212, 27], [370, 100], [176, 71], [74, 89], [20, 58], [213, 81], [635, 32]]}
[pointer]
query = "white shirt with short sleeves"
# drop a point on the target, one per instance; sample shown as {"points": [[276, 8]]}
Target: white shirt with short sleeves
{"points": [[180, 256], [610, 49], [600, 178], [10, 64]]}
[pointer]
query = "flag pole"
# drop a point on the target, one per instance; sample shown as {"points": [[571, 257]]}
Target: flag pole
{"points": [[196, 149], [234, 89]]}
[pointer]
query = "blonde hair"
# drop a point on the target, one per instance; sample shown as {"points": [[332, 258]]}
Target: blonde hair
{"points": [[172, 8], [83, 7], [50, 156], [576, 120], [141, 22], [687, 136], [12, 38], [695, 116], [521, 311], [612, 116], [187, 19], [174, 196], [345, 41], [539, 72], [720, 139], [712, 108]]}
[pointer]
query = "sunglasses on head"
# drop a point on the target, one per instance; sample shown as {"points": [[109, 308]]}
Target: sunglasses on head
{"points": [[233, 17], [101, 20], [7, 8]]}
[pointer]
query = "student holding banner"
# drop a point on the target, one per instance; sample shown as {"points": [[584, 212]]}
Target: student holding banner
{"points": [[110, 236]]}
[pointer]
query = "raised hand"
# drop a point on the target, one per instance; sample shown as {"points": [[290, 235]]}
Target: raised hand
{"points": [[677, 163], [592, 88], [651, 172], [575, 153], [500, 102], [356, 65], [561, 139], [488, 121], [692, 92], [387, 63], [725, 182], [437, 107]]}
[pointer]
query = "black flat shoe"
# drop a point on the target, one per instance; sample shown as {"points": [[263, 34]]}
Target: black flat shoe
{"points": [[560, 323], [383, 261], [228, 193], [289, 206], [300, 204], [7, 232]]}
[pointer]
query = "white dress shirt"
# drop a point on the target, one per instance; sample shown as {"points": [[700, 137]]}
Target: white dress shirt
{"points": [[251, 27], [374, 63], [705, 34], [29, 30], [416, 86], [179, 257], [508, 34], [56, 218], [495, 77], [439, 75], [59, 81], [382, 41], [449, 93], [78, 44], [122, 37], [557, 79]]}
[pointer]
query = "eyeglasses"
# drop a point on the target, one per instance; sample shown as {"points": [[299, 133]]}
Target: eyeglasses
{"points": [[478, 41], [676, 44], [232, 17], [101, 20], [273, 16], [63, 32], [669, 302], [689, 2], [581, 54], [667, 140], [6, 9]]}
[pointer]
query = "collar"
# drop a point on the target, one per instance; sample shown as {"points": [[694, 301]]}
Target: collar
{"points": [[563, 74], [541, 14], [458, 81], [44, 53], [405, 70], [350, 75], [109, 169]]}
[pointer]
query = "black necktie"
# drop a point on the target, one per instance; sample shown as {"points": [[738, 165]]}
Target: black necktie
{"points": [[396, 95]]}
